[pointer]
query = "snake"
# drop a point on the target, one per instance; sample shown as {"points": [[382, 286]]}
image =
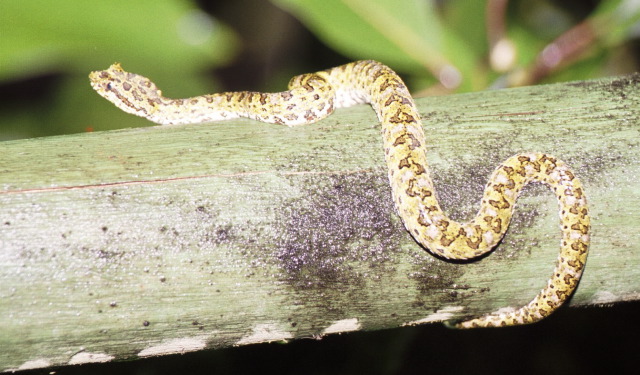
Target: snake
{"points": [[314, 96]]}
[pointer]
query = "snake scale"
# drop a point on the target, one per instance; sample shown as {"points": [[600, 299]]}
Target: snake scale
{"points": [[314, 96]]}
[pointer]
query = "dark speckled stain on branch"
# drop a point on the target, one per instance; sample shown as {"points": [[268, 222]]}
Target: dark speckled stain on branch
{"points": [[343, 236], [341, 220], [619, 86]]}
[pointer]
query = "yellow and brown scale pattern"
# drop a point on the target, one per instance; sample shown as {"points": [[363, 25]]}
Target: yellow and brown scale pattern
{"points": [[314, 96]]}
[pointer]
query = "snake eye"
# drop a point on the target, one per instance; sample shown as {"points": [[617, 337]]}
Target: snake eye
{"points": [[109, 86]]}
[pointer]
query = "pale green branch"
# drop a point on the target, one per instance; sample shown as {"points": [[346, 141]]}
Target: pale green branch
{"points": [[142, 242]]}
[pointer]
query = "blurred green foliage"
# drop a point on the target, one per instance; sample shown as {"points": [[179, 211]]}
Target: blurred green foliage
{"points": [[69, 38], [48, 48], [416, 37]]}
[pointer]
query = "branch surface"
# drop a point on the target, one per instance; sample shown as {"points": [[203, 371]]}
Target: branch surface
{"points": [[142, 242]]}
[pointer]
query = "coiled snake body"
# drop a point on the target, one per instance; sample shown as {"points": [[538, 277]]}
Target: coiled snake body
{"points": [[314, 96]]}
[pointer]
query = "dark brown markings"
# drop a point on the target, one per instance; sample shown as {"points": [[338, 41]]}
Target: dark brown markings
{"points": [[576, 264], [472, 242], [309, 115], [499, 204], [415, 143], [521, 171], [367, 69], [443, 225], [579, 227], [561, 295], [584, 213], [399, 140], [126, 86], [423, 221], [502, 187], [403, 140], [136, 95], [404, 163], [390, 100], [263, 98], [377, 74], [495, 224], [129, 103], [568, 192], [511, 184], [394, 83], [536, 167], [446, 241], [397, 98], [545, 312], [408, 163], [579, 246], [410, 189], [400, 117], [568, 279], [306, 82], [415, 191]]}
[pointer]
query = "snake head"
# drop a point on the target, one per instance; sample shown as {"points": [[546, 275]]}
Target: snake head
{"points": [[130, 92]]}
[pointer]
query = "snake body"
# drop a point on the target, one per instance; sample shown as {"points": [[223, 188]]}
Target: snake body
{"points": [[314, 96]]}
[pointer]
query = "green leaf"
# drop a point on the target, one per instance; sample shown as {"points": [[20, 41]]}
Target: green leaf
{"points": [[171, 41], [64, 34], [617, 21], [404, 33]]}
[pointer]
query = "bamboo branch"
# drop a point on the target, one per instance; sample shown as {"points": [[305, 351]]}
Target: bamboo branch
{"points": [[143, 242]]}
